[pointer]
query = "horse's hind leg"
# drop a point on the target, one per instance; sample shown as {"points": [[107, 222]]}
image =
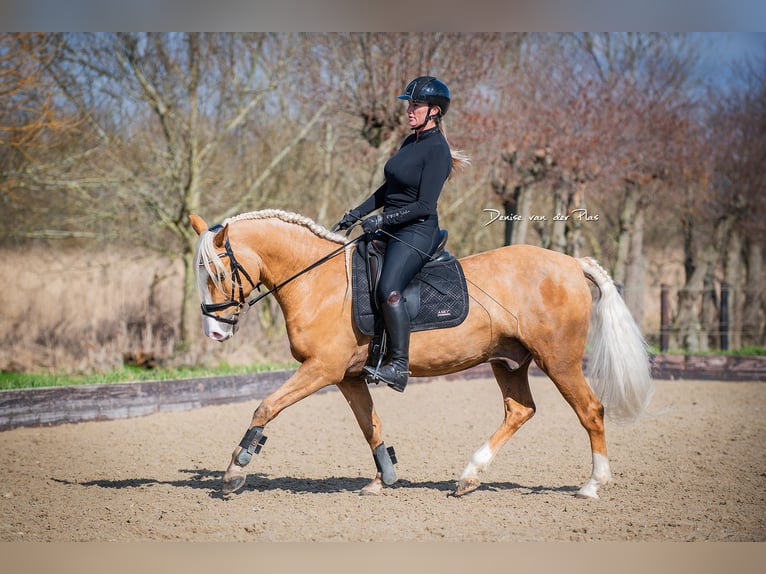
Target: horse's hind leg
{"points": [[578, 393], [358, 396], [519, 408]]}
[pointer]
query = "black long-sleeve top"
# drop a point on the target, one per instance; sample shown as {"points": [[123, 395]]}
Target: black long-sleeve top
{"points": [[414, 176]]}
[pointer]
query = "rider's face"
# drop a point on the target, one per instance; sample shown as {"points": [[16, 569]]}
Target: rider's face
{"points": [[416, 113]]}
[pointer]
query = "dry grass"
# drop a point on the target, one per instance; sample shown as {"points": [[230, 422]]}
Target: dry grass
{"points": [[75, 311]]}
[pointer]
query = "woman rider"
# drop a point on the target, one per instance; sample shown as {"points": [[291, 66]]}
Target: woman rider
{"points": [[414, 178]]}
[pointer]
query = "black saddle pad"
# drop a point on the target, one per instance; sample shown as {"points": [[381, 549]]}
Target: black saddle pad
{"points": [[437, 298]]}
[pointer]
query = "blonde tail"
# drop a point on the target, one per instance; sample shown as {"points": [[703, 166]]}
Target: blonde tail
{"points": [[619, 369]]}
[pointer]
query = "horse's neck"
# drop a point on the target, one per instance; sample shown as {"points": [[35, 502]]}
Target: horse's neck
{"points": [[284, 249]]}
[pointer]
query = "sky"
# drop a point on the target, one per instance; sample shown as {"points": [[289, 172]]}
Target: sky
{"points": [[729, 30], [719, 50], [731, 45]]}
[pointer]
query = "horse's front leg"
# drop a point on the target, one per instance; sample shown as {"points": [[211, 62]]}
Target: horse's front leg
{"points": [[359, 399], [305, 381]]}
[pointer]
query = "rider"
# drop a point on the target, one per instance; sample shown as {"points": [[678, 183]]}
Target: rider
{"points": [[414, 178]]}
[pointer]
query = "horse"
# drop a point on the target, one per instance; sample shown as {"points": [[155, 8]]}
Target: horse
{"points": [[526, 304]]}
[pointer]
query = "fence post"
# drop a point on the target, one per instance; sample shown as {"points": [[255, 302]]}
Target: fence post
{"points": [[664, 317], [724, 317]]}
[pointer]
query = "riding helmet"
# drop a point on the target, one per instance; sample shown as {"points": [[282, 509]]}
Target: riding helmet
{"points": [[429, 90]]}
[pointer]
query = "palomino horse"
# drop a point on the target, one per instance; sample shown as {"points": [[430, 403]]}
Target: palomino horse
{"points": [[525, 303]]}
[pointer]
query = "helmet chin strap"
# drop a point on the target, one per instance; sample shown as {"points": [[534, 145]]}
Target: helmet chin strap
{"points": [[429, 117]]}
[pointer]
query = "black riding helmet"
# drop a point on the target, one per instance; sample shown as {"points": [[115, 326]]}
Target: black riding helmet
{"points": [[429, 90]]}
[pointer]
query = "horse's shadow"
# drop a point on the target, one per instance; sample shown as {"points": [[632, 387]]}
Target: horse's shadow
{"points": [[200, 479], [211, 480]]}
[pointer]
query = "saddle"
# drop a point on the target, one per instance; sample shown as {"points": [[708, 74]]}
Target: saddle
{"points": [[436, 298]]}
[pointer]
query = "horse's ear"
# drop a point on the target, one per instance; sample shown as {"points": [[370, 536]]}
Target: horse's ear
{"points": [[198, 223], [220, 238]]}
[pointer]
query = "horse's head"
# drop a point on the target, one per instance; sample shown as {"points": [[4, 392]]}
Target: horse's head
{"points": [[223, 282]]}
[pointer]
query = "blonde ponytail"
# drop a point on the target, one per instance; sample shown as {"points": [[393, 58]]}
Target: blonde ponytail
{"points": [[460, 160]]}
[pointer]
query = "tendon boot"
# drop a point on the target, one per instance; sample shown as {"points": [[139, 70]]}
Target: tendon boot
{"points": [[397, 321]]}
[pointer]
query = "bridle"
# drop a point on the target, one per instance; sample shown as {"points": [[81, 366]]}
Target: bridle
{"points": [[209, 309]]}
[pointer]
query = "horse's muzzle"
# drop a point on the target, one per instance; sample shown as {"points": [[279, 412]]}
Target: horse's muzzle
{"points": [[218, 331]]}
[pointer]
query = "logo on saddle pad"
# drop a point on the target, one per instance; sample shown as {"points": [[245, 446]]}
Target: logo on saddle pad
{"points": [[437, 298]]}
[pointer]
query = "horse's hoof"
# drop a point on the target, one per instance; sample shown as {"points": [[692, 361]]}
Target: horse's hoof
{"points": [[589, 490], [233, 484], [587, 494], [374, 488], [466, 485]]}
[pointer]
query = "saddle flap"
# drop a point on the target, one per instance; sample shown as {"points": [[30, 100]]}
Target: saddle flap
{"points": [[436, 298]]}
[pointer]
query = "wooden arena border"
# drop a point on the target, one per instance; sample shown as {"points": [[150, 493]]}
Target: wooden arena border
{"points": [[60, 405]]}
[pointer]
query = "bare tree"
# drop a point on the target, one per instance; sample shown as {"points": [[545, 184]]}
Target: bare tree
{"points": [[32, 125], [172, 118], [364, 72], [643, 84], [514, 185], [738, 151], [546, 118]]}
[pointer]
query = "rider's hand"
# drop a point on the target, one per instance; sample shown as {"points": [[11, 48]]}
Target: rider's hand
{"points": [[349, 219], [372, 223]]}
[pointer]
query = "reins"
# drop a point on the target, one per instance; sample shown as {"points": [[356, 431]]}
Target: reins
{"points": [[315, 264], [209, 309]]}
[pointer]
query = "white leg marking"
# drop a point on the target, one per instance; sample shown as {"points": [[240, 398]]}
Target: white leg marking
{"points": [[601, 475], [479, 462]]}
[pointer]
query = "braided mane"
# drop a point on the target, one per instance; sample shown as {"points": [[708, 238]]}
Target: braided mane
{"points": [[208, 264], [290, 217]]}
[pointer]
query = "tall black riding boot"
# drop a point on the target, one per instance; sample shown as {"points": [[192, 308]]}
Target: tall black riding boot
{"points": [[396, 371]]}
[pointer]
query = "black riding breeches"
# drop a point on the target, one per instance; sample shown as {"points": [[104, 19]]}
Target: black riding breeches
{"points": [[407, 251]]}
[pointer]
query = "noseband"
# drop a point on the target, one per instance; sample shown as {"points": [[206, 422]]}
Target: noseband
{"points": [[209, 309]]}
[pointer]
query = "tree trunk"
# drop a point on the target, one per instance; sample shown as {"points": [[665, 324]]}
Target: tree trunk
{"points": [[732, 265], [524, 203], [574, 224], [630, 207], [686, 327], [709, 312], [190, 325], [509, 209], [694, 299], [635, 269], [753, 322], [559, 226]]}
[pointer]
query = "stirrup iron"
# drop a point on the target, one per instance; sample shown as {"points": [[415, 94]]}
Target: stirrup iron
{"points": [[371, 375]]}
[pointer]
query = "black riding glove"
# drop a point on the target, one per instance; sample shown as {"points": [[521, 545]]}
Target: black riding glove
{"points": [[372, 223], [349, 219]]}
